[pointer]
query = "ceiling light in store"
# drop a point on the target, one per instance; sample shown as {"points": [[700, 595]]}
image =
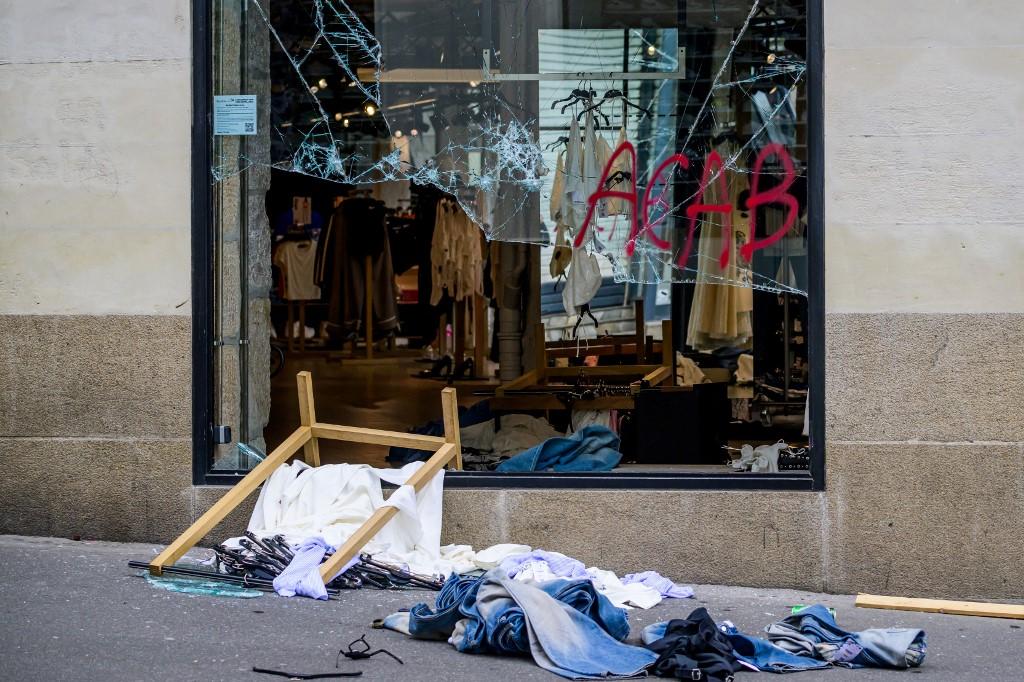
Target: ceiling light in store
{"points": [[370, 109], [771, 59], [322, 83], [314, 89], [651, 50], [398, 133], [473, 84], [414, 132], [345, 122], [338, 117], [351, 84]]}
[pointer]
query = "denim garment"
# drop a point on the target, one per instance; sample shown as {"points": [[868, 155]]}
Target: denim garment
{"points": [[876, 648], [427, 624], [766, 656], [592, 448], [515, 618]]}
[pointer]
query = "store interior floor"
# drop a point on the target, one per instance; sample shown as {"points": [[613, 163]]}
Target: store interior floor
{"points": [[378, 394], [381, 394]]}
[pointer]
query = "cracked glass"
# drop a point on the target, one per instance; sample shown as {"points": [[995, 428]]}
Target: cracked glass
{"points": [[648, 144]]}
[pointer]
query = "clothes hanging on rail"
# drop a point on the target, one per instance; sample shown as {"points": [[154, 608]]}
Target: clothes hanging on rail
{"points": [[357, 238], [456, 254], [296, 260], [723, 298]]}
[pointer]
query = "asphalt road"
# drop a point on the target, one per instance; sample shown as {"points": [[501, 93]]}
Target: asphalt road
{"points": [[75, 611]]}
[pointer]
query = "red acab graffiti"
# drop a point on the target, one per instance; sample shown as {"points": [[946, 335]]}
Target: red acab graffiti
{"points": [[641, 226]]}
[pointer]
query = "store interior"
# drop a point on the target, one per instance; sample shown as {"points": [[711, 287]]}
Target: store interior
{"points": [[406, 273]]}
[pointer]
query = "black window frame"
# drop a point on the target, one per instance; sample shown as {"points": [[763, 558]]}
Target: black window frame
{"points": [[203, 304]]}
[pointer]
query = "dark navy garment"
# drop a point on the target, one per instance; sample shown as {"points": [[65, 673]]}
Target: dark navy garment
{"points": [[468, 416], [691, 649]]}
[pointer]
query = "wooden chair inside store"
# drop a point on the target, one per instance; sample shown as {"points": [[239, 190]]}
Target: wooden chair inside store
{"points": [[446, 450]]}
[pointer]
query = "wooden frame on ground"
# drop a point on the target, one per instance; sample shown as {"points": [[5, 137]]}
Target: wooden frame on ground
{"points": [[446, 449]]}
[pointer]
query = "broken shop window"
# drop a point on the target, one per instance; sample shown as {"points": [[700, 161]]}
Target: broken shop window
{"points": [[669, 140]]}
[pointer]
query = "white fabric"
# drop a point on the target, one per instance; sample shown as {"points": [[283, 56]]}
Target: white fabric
{"points": [[334, 500], [518, 432], [745, 368], [687, 371], [581, 418], [583, 280], [634, 594], [764, 459], [492, 557]]}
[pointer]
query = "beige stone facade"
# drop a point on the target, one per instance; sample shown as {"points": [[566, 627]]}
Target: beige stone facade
{"points": [[924, 147]]}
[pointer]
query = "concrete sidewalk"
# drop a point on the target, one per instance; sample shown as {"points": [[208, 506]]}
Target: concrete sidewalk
{"points": [[74, 610]]}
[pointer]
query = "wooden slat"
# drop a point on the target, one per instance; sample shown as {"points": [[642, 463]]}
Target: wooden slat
{"points": [[602, 370], [657, 376], [528, 379], [379, 518], [960, 608], [479, 335], [550, 402], [307, 416], [368, 284], [640, 331], [540, 353], [222, 507], [668, 352], [450, 412], [356, 434]]}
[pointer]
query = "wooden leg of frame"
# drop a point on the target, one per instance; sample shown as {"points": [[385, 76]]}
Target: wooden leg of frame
{"points": [[379, 519], [225, 505], [450, 411], [307, 416]]}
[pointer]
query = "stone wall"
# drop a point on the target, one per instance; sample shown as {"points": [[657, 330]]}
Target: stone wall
{"points": [[925, 297], [95, 268], [925, 313]]}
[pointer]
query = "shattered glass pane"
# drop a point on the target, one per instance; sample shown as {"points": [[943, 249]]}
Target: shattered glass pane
{"points": [[691, 117]]}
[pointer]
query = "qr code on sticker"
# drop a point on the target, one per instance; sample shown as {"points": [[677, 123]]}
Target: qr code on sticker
{"points": [[250, 126]]}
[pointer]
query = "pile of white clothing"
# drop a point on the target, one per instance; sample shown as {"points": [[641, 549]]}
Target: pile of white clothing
{"points": [[764, 459], [332, 501]]}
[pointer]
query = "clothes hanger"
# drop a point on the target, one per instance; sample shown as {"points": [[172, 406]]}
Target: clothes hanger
{"points": [[560, 141]]}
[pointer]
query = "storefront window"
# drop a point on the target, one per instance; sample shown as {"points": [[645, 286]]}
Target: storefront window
{"points": [[590, 217]]}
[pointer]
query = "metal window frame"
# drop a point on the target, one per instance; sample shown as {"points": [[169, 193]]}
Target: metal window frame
{"points": [[203, 304]]}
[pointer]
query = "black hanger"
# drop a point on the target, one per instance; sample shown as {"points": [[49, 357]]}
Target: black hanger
{"points": [[616, 94], [560, 141], [575, 97]]}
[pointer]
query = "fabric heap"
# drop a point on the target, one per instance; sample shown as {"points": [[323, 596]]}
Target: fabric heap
{"points": [[592, 448], [764, 459], [813, 632], [806, 640], [332, 501], [456, 255], [643, 590], [565, 625]]}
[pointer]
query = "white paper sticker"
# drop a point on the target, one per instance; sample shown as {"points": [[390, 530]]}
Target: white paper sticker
{"points": [[234, 114]]}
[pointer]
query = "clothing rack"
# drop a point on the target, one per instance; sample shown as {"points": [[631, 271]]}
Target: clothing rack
{"points": [[488, 74]]}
